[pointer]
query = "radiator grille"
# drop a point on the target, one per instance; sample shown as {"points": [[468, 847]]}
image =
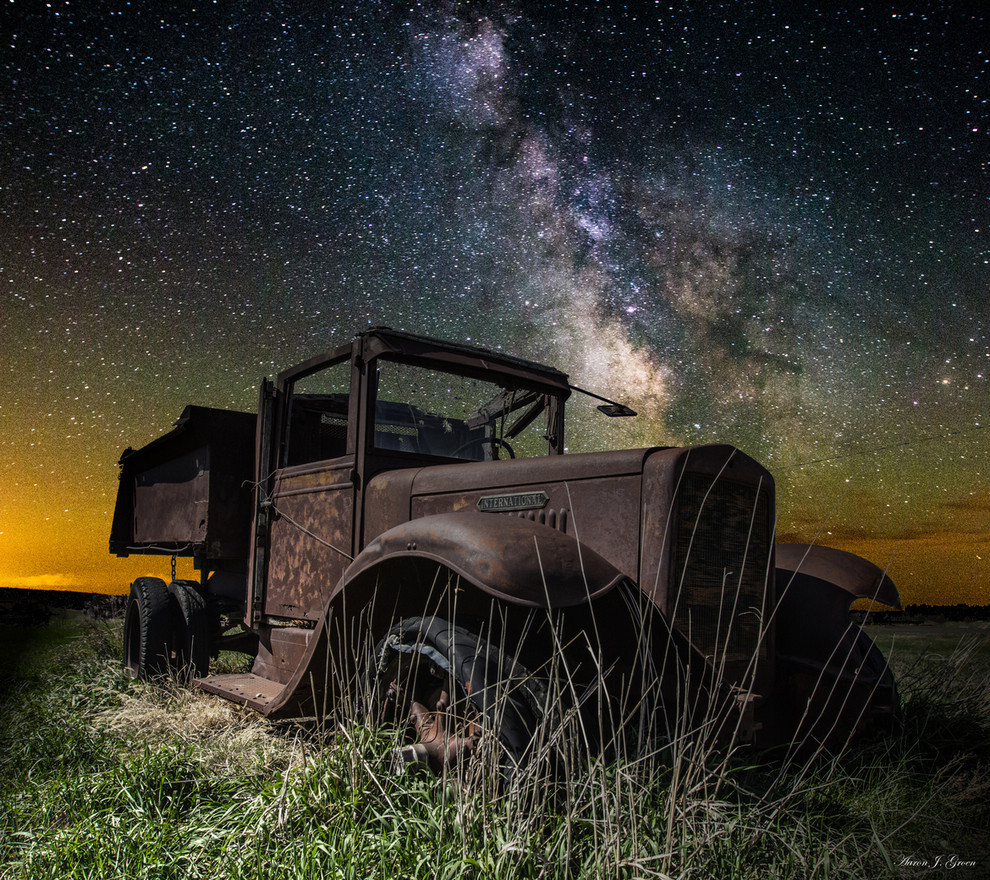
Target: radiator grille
{"points": [[721, 548]]}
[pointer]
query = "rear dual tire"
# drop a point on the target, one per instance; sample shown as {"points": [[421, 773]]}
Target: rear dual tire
{"points": [[148, 624], [166, 630], [192, 645]]}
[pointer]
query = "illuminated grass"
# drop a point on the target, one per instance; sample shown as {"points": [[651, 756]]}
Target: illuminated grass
{"points": [[106, 777]]}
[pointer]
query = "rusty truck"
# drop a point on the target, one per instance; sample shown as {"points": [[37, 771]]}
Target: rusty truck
{"points": [[401, 519]]}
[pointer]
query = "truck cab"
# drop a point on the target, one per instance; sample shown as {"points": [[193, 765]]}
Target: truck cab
{"points": [[333, 426]]}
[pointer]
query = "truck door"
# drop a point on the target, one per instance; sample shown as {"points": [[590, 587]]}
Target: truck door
{"points": [[311, 495]]}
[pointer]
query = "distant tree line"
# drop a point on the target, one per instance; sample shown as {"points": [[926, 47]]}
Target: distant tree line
{"points": [[924, 612], [35, 607]]}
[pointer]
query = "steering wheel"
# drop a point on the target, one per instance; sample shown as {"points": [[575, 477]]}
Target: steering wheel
{"points": [[481, 441]]}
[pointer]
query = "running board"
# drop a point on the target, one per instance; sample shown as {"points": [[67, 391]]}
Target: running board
{"points": [[281, 681], [246, 688]]}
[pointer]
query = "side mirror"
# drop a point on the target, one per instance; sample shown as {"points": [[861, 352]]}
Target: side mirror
{"points": [[616, 410]]}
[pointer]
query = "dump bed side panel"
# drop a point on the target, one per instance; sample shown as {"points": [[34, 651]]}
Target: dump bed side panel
{"points": [[188, 493]]}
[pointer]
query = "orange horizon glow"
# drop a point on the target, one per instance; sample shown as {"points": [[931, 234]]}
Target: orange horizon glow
{"points": [[937, 569]]}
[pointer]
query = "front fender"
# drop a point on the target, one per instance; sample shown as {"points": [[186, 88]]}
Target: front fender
{"points": [[511, 558], [855, 576], [815, 587], [831, 679]]}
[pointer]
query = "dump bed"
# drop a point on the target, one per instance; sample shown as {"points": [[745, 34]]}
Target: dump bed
{"points": [[189, 492]]}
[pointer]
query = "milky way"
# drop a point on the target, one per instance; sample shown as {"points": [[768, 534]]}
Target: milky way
{"points": [[768, 229]]}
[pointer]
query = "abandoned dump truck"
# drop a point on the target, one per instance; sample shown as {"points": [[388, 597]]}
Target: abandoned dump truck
{"points": [[399, 531]]}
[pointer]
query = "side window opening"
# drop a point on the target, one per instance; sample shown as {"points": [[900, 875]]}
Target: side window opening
{"points": [[316, 425]]}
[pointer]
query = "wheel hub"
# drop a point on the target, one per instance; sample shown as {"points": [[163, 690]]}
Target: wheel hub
{"points": [[443, 736]]}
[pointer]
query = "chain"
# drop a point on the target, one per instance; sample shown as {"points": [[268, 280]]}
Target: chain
{"points": [[173, 567]]}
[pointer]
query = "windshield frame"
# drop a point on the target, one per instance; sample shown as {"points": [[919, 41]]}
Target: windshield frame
{"points": [[549, 397]]}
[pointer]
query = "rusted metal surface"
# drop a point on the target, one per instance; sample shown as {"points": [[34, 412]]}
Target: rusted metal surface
{"points": [[858, 577], [443, 737], [443, 748], [721, 542], [281, 651], [454, 356], [188, 492], [545, 568], [601, 511], [310, 540], [246, 688], [469, 477], [832, 680]]}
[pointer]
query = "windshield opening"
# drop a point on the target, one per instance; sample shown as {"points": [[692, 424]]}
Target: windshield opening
{"points": [[433, 412]]}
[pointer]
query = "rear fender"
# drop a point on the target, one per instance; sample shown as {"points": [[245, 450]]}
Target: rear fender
{"points": [[510, 558]]}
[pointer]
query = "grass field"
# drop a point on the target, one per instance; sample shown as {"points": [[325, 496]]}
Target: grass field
{"points": [[941, 642], [103, 777]]}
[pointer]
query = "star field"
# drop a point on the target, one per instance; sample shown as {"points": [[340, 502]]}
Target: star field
{"points": [[768, 228]]}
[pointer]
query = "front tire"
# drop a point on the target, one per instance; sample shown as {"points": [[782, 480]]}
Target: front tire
{"points": [[148, 625], [457, 695]]}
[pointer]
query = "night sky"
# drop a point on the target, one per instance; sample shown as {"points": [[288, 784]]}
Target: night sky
{"points": [[768, 228]]}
